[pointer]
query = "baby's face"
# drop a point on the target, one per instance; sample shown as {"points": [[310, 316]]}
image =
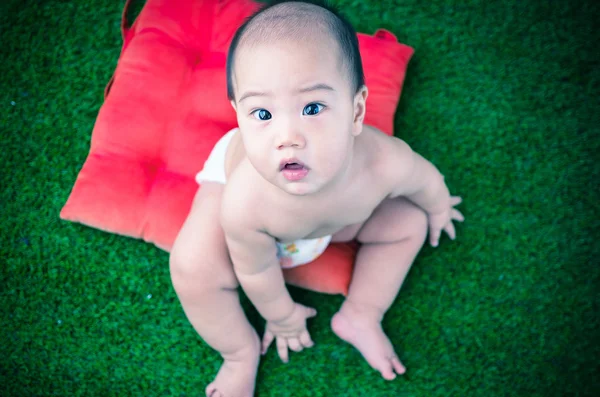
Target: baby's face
{"points": [[297, 113]]}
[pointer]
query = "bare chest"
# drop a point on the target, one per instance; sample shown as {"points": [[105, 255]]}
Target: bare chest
{"points": [[290, 220]]}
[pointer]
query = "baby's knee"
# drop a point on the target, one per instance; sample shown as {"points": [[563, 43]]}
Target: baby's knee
{"points": [[417, 222], [200, 271], [183, 263], [410, 221], [395, 220]]}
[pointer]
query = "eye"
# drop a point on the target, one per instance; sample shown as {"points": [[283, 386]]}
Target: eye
{"points": [[262, 114], [312, 108]]}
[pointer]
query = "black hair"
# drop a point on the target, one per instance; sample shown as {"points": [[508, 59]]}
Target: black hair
{"points": [[340, 29]]}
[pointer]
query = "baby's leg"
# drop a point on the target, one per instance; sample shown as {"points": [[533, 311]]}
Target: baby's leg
{"points": [[206, 285], [391, 239]]}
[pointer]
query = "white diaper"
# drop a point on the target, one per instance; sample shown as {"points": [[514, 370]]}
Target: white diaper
{"points": [[214, 167], [300, 252]]}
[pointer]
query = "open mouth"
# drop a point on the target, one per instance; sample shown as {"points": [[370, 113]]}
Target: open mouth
{"points": [[291, 164], [293, 169]]}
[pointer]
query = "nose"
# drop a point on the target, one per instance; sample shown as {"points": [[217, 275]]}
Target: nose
{"points": [[290, 137]]}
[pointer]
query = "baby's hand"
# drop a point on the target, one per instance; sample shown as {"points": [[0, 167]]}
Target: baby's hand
{"points": [[290, 333], [442, 220]]}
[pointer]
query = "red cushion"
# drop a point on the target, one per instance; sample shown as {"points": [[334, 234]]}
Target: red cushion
{"points": [[166, 107]]}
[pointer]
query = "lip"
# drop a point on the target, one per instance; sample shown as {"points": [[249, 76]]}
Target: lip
{"points": [[293, 174], [284, 162]]}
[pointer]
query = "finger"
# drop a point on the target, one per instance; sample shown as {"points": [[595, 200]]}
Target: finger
{"points": [[310, 312], [282, 349], [398, 367], [294, 344], [434, 237], [306, 340], [455, 200], [456, 215], [449, 228], [267, 340]]}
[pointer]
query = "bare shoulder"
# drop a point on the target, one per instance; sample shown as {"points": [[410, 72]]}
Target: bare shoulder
{"points": [[235, 153], [390, 157], [239, 203], [250, 248]]}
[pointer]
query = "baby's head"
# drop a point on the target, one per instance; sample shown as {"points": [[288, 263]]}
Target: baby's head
{"points": [[290, 20], [295, 78]]}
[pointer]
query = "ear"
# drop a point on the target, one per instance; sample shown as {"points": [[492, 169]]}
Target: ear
{"points": [[360, 108]]}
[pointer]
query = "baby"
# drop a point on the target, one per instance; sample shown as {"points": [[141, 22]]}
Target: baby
{"points": [[301, 171]]}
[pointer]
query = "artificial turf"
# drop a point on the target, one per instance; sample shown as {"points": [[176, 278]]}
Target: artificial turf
{"points": [[501, 96]]}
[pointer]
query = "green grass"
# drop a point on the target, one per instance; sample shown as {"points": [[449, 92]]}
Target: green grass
{"points": [[501, 96]]}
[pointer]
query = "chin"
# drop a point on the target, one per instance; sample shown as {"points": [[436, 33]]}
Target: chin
{"points": [[299, 189], [304, 187]]}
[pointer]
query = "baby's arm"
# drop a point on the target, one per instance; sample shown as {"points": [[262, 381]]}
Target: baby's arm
{"points": [[422, 183], [254, 256], [419, 179]]}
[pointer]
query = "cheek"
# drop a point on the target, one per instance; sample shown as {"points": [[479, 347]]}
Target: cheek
{"points": [[333, 134], [251, 143], [332, 151], [254, 145]]}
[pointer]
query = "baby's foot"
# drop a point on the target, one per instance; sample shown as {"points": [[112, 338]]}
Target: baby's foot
{"points": [[363, 331], [237, 375]]}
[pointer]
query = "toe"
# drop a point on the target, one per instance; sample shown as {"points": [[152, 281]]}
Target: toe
{"points": [[386, 371], [398, 367]]}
